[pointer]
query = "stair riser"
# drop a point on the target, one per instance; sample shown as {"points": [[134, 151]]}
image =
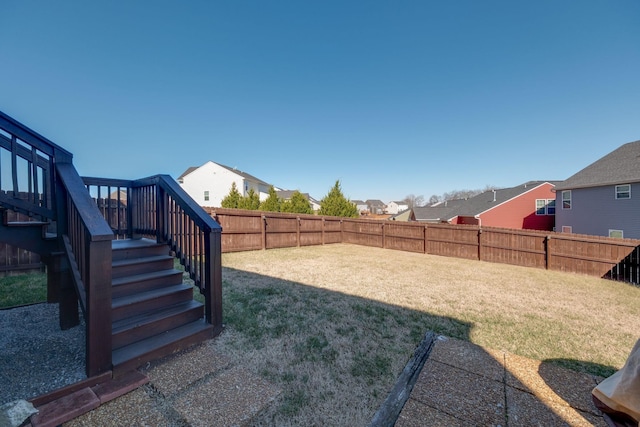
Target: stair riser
{"points": [[148, 330], [156, 353], [141, 307], [129, 253], [146, 285], [141, 268]]}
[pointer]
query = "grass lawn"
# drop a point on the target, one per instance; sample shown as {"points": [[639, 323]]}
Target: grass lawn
{"points": [[28, 288], [334, 325]]}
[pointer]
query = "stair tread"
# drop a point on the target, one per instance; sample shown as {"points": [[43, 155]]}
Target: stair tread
{"points": [[139, 260], [142, 296], [133, 243], [26, 223], [149, 317], [144, 276], [157, 342]]}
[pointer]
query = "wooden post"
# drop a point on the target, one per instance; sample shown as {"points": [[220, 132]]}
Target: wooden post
{"points": [[298, 230], [479, 244], [425, 238], [213, 277], [162, 212], [60, 289], [264, 232], [547, 248], [98, 311], [324, 224], [384, 243]]}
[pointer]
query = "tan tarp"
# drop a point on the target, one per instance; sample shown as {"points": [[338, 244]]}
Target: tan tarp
{"points": [[621, 391]]}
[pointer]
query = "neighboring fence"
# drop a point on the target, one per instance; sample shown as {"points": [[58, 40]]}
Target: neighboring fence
{"points": [[617, 259], [14, 259]]}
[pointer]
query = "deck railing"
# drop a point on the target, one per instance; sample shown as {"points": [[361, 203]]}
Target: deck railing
{"points": [[32, 164], [27, 168], [157, 207], [85, 223]]}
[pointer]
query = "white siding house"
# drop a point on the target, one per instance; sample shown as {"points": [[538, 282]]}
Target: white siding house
{"points": [[394, 208], [210, 183]]}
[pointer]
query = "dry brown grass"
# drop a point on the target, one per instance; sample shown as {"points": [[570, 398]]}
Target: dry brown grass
{"points": [[334, 325]]}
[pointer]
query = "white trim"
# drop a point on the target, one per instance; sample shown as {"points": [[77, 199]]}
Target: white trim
{"points": [[621, 236], [623, 192]]}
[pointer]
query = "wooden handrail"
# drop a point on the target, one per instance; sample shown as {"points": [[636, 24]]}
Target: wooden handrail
{"points": [[87, 241], [34, 139]]}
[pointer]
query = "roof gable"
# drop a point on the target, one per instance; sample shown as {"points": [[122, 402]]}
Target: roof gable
{"points": [[621, 166], [230, 169]]}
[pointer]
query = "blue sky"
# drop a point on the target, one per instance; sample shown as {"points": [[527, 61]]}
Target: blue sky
{"points": [[390, 98]]}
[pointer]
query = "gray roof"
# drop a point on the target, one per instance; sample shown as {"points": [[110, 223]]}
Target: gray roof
{"points": [[187, 172], [621, 166], [476, 205], [234, 170]]}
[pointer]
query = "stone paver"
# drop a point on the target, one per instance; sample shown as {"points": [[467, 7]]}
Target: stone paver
{"points": [[465, 384]]}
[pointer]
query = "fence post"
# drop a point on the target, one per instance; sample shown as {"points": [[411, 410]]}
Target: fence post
{"points": [[298, 230], [264, 232], [425, 238], [479, 244], [547, 250], [384, 241], [324, 224]]}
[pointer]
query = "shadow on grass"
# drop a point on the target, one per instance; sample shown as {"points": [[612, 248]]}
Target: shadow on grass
{"points": [[331, 349]]}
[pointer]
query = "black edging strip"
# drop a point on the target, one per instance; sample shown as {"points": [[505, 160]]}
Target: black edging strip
{"points": [[388, 413]]}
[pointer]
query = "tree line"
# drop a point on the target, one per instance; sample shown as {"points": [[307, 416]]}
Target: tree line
{"points": [[333, 204]]}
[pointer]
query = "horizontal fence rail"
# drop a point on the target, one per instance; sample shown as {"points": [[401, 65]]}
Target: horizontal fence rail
{"points": [[617, 259]]}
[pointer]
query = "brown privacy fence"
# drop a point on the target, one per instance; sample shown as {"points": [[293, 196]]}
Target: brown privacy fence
{"points": [[14, 259], [617, 259]]}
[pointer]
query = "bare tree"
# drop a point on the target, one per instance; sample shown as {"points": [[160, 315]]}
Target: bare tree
{"points": [[413, 201], [465, 194], [434, 199]]}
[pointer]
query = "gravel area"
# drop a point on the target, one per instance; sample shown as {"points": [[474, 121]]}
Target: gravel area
{"points": [[36, 356]]}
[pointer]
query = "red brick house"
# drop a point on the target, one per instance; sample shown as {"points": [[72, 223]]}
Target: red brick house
{"points": [[528, 206]]}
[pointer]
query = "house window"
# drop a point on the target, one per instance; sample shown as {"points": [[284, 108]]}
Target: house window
{"points": [[545, 206], [623, 191], [566, 199], [551, 207], [616, 233], [206, 196], [567, 229]]}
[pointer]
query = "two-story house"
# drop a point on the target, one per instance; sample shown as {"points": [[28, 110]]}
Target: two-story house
{"points": [[210, 183], [603, 199], [375, 206], [394, 208]]}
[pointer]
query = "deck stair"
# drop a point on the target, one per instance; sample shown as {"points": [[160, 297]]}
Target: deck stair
{"points": [[153, 310]]}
